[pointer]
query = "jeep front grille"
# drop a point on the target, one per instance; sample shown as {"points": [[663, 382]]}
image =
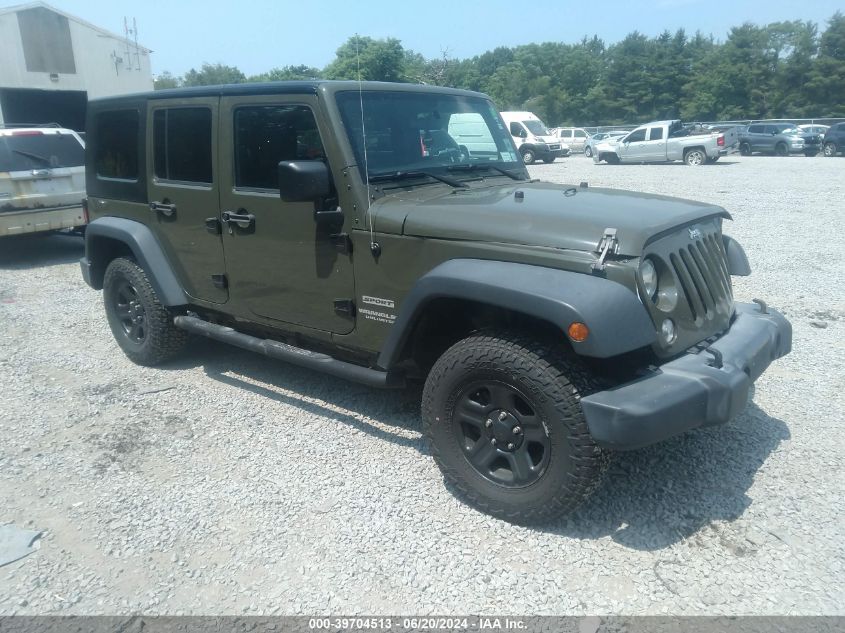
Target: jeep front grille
{"points": [[702, 270]]}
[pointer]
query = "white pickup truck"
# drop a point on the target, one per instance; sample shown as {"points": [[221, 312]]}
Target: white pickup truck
{"points": [[663, 141]]}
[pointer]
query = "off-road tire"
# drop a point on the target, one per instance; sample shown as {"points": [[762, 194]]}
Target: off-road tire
{"points": [[549, 161], [611, 159], [161, 340], [830, 149], [781, 149], [744, 149], [695, 157], [528, 156], [588, 152], [553, 380], [810, 153]]}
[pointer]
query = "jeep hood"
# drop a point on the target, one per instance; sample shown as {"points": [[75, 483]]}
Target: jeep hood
{"points": [[544, 214]]}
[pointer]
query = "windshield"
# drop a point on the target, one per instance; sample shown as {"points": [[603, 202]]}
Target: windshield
{"points": [[791, 130], [409, 131], [25, 151], [537, 128]]}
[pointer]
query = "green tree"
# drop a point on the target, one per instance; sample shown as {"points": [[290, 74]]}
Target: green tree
{"points": [[288, 73], [377, 60], [212, 75], [166, 80]]}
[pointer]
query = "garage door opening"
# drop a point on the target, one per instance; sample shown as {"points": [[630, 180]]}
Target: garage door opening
{"points": [[65, 107]]}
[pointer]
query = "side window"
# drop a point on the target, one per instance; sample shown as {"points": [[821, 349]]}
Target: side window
{"points": [[516, 129], [267, 135], [182, 144], [655, 134], [580, 134], [636, 135], [755, 129], [116, 153], [770, 129]]}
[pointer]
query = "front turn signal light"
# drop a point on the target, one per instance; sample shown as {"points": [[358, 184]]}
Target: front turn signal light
{"points": [[578, 331]]}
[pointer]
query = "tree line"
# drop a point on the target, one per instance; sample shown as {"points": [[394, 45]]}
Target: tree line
{"points": [[786, 69]]}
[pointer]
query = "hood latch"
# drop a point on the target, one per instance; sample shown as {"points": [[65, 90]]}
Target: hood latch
{"points": [[607, 245]]}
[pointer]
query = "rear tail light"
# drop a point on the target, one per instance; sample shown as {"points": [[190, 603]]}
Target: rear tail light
{"points": [[720, 141]]}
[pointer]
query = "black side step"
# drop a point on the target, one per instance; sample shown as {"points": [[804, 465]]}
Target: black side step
{"points": [[289, 353]]}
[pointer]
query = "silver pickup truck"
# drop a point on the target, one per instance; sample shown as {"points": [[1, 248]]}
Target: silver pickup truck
{"points": [[663, 141]]}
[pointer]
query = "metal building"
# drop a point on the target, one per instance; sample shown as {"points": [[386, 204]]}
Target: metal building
{"points": [[51, 63]]}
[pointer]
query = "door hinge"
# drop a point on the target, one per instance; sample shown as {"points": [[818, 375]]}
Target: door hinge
{"points": [[341, 242], [344, 307], [220, 281], [608, 245]]}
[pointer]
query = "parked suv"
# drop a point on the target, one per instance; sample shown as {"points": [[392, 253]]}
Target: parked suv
{"points": [[834, 140], [780, 139], [318, 223], [42, 179]]}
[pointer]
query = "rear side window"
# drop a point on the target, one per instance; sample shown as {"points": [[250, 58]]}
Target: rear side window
{"points": [[267, 135], [25, 151], [755, 129], [182, 144], [117, 144], [580, 134], [655, 134]]}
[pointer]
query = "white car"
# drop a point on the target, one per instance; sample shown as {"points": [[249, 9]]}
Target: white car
{"points": [[42, 179], [814, 128]]}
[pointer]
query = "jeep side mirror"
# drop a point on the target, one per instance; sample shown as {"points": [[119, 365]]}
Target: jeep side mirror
{"points": [[304, 181]]}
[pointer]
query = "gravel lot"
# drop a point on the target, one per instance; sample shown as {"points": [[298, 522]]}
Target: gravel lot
{"points": [[228, 483]]}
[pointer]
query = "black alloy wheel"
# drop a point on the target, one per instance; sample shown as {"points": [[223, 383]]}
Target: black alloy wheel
{"points": [[501, 434]]}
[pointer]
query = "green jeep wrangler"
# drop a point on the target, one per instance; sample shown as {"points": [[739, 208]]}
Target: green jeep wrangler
{"points": [[341, 227]]}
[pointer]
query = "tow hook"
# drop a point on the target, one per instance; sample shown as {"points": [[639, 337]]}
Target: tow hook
{"points": [[717, 358]]}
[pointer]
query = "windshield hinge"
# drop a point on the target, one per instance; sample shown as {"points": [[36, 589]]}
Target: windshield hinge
{"points": [[608, 245]]}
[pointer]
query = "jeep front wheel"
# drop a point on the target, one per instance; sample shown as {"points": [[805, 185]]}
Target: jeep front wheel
{"points": [[830, 149], [141, 325], [503, 415]]}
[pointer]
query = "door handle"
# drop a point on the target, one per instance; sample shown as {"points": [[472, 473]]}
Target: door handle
{"points": [[243, 220], [164, 208]]}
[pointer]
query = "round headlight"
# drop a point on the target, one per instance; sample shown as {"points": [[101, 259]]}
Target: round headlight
{"points": [[667, 329], [648, 274]]}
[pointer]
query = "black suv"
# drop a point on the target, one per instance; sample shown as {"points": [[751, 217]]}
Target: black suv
{"points": [[834, 140]]}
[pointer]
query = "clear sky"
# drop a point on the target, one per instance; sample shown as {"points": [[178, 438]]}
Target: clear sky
{"points": [[256, 35]]}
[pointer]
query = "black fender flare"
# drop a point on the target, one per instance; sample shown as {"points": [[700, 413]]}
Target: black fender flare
{"points": [[737, 259], [99, 238], [617, 319]]}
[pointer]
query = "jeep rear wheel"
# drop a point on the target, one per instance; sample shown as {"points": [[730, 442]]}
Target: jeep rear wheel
{"points": [[141, 325], [744, 149], [528, 156], [503, 415], [830, 149]]}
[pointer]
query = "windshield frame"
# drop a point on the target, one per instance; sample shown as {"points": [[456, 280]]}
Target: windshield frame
{"points": [[398, 122]]}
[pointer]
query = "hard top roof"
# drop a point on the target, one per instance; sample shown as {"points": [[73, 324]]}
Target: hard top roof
{"points": [[282, 87]]}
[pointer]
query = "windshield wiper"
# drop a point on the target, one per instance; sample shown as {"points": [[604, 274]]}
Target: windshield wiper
{"points": [[31, 155], [405, 175], [474, 166]]}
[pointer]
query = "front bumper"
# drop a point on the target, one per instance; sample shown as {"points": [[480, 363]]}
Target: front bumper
{"points": [[691, 391]]}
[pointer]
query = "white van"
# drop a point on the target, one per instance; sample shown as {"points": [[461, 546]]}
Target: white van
{"points": [[532, 137], [575, 138], [471, 133]]}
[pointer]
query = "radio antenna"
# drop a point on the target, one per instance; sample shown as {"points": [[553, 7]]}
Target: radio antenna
{"points": [[375, 248]]}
